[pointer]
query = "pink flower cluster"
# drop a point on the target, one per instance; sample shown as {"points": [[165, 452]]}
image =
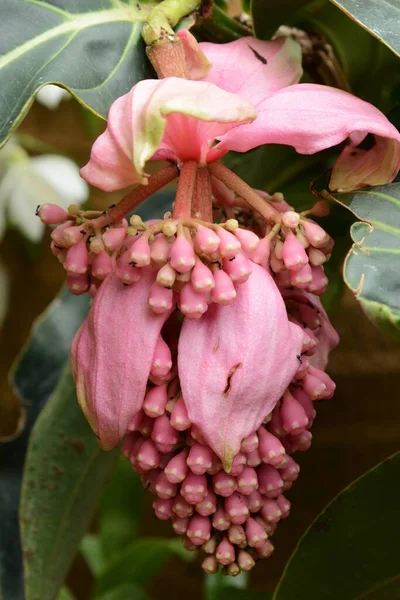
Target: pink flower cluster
{"points": [[230, 515]]}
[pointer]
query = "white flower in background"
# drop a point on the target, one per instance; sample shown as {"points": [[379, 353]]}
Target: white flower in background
{"points": [[51, 96], [26, 182]]}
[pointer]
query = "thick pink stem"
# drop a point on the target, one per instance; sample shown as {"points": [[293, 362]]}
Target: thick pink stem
{"points": [[242, 189], [185, 190], [202, 201], [136, 196]]}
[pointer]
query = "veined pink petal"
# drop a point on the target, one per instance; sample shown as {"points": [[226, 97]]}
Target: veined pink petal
{"points": [[111, 356], [314, 117], [235, 363], [177, 116], [252, 68], [197, 62]]}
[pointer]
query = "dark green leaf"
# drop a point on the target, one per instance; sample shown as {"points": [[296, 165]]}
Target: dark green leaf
{"points": [[120, 510], [379, 17], [371, 268], [34, 377], [65, 594], [93, 48], [351, 550], [65, 472], [125, 592], [268, 15], [140, 561]]}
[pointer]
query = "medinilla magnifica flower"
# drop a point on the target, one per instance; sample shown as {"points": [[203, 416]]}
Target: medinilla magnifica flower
{"points": [[206, 344]]}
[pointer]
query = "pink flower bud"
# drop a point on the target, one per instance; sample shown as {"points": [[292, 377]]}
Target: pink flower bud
{"points": [[245, 561], [319, 281], [290, 219], [164, 488], [113, 238], [224, 291], [248, 240], [159, 249], [314, 233], [160, 299], [166, 276], [180, 525], [163, 508], [255, 501], [182, 508], [229, 245], [236, 534], [262, 253], [249, 443], [255, 533], [126, 272], [324, 377], [253, 458], [77, 284], [162, 359], [265, 550], [57, 234], [305, 402], [294, 419], [139, 253], [316, 257], [176, 470], [191, 303], [291, 471], [179, 416], [238, 268], [224, 484], [207, 240], [182, 257], [302, 277], [314, 387], [164, 435], [208, 505], [194, 488], [155, 401], [247, 481], [238, 464], [148, 457], [51, 214], [210, 564], [270, 448], [202, 279], [73, 235], [236, 508], [77, 259], [101, 265], [199, 459], [220, 521], [225, 553], [270, 481], [270, 510], [284, 506], [293, 254]]}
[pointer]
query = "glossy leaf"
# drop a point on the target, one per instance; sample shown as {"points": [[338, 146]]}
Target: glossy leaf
{"points": [[139, 561], [34, 377], [65, 472], [379, 17], [93, 48], [351, 550], [371, 269]]}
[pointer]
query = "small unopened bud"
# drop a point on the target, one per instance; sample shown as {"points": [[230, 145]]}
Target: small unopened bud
{"points": [[231, 224], [73, 209], [169, 228]]}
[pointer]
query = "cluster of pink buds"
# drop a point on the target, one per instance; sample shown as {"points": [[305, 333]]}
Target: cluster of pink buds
{"points": [[197, 262], [231, 515]]}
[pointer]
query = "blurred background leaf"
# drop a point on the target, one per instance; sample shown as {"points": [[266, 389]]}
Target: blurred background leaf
{"points": [[64, 475], [351, 550], [34, 378], [92, 48]]}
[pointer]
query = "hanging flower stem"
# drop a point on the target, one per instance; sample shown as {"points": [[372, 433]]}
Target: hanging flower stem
{"points": [[242, 189], [185, 190], [136, 196], [202, 200]]}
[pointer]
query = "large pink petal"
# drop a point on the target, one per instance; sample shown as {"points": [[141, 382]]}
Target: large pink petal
{"points": [[254, 69], [314, 117], [177, 116], [236, 361], [111, 356]]}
